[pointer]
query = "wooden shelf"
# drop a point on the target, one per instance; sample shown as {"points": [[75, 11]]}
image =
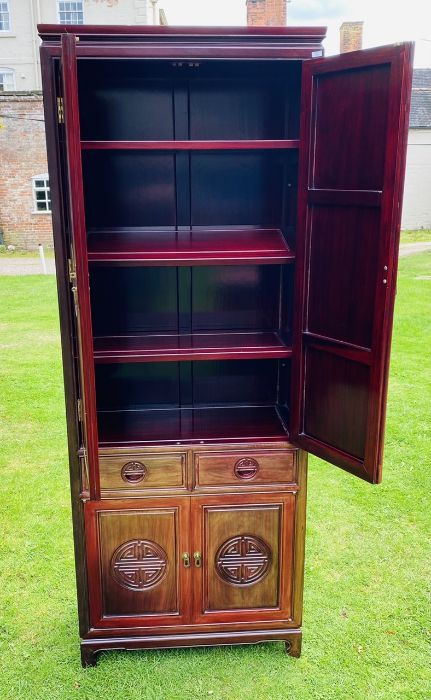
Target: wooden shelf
{"points": [[197, 346], [275, 144], [118, 428], [196, 247]]}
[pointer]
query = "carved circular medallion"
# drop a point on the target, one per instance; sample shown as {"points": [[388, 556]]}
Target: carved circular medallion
{"points": [[243, 560], [246, 468], [134, 472], [139, 564]]}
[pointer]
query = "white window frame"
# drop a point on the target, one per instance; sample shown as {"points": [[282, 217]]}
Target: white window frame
{"points": [[5, 10], [11, 73], [70, 7], [47, 191]]}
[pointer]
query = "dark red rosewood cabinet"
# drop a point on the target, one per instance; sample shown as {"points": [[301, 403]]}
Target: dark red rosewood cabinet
{"points": [[226, 208]]}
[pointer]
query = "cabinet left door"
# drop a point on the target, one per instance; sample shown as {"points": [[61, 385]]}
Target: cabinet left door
{"points": [[78, 259], [137, 559]]}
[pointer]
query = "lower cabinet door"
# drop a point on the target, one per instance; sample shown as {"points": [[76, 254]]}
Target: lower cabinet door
{"points": [[243, 557], [137, 573]]}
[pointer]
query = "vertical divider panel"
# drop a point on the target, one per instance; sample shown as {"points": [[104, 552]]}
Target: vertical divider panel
{"points": [[183, 226], [180, 105], [79, 238]]}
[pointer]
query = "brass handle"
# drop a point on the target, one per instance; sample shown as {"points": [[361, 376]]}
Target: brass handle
{"points": [[133, 472], [197, 556], [246, 468], [186, 559]]}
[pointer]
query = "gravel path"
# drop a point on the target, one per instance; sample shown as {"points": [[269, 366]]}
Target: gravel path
{"points": [[33, 266], [410, 248], [25, 266]]}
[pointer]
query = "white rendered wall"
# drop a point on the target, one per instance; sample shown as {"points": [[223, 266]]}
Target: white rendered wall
{"points": [[417, 189]]}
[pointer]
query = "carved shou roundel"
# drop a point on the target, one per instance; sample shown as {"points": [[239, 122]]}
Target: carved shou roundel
{"points": [[139, 564], [134, 472], [246, 468], [243, 560]]}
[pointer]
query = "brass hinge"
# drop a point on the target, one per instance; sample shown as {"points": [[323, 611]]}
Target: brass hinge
{"points": [[72, 280], [87, 475], [79, 409], [60, 110], [72, 270]]}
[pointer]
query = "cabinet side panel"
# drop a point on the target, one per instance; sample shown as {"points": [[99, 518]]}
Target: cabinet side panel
{"points": [[300, 525]]}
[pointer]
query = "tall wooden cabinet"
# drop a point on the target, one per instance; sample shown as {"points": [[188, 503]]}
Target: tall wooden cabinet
{"points": [[226, 208]]}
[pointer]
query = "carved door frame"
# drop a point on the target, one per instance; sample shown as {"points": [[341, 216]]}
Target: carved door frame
{"points": [[201, 508], [130, 550]]}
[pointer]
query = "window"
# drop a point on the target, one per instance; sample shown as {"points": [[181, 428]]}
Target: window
{"points": [[4, 17], [71, 12], [41, 193], [7, 79]]}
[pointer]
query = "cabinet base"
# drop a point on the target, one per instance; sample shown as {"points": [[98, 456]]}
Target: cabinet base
{"points": [[90, 647]]}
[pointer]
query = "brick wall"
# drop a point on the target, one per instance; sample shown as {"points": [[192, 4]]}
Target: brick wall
{"points": [[266, 13], [22, 155]]}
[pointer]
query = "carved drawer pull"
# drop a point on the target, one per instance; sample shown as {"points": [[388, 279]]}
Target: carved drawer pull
{"points": [[186, 560], [134, 472], [246, 468], [197, 556]]}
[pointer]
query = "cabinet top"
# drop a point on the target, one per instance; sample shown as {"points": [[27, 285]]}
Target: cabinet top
{"points": [[288, 36]]}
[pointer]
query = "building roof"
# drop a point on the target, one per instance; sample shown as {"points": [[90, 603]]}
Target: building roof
{"points": [[420, 111]]}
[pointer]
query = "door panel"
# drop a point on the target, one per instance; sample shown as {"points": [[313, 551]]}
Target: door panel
{"points": [[247, 558], [352, 108], [336, 386], [134, 554], [78, 256], [353, 144], [342, 233]]}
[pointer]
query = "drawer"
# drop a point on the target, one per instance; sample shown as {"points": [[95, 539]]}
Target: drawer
{"points": [[244, 468], [140, 472]]}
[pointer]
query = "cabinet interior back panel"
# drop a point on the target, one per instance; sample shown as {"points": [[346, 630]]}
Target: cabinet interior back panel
{"points": [[155, 189], [237, 188], [125, 101], [235, 382], [130, 300], [235, 297], [237, 110], [129, 188], [131, 386], [148, 100], [133, 300], [152, 385]]}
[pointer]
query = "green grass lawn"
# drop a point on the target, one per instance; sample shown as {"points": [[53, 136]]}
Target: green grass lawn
{"points": [[415, 236], [367, 559]]}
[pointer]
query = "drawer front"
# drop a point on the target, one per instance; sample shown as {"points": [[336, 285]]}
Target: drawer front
{"points": [[242, 468], [142, 472]]}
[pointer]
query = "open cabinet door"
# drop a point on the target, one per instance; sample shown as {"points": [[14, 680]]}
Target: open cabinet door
{"points": [[353, 144], [79, 278]]}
